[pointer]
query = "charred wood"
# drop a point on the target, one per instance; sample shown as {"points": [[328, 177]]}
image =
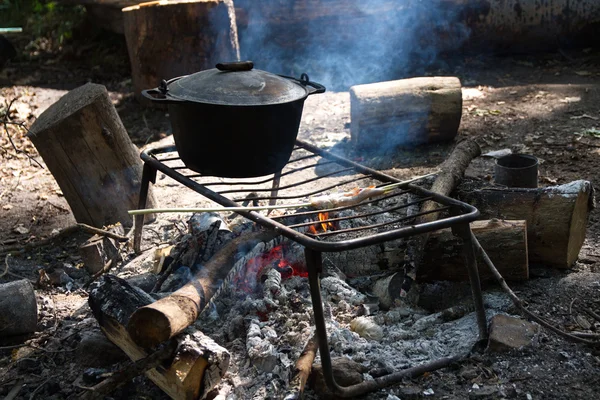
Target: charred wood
{"points": [[163, 319], [197, 364]]}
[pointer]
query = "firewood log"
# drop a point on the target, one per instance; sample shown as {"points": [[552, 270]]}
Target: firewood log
{"points": [[18, 308], [505, 242], [200, 34], [86, 147], [556, 216], [157, 322], [405, 112], [198, 363]]}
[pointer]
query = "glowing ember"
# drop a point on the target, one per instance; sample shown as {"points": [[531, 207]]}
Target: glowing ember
{"points": [[275, 258]]}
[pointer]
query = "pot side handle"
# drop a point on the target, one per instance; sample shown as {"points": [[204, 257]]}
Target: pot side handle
{"points": [[314, 86], [161, 93]]}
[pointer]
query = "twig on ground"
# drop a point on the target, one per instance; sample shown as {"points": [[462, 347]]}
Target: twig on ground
{"points": [[519, 304], [37, 389], [66, 231], [592, 314], [6, 122], [129, 372], [302, 368]]}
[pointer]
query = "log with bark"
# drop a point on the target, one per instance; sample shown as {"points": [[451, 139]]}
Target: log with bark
{"points": [[405, 112], [504, 241], [18, 308], [198, 363], [200, 34], [165, 318], [556, 216], [86, 147], [452, 171]]}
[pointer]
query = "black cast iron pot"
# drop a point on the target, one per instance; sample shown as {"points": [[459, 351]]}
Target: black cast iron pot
{"points": [[235, 121]]}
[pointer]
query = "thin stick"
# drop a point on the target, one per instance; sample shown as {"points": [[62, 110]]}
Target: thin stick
{"points": [[517, 301], [303, 368], [384, 190], [129, 372], [66, 231]]}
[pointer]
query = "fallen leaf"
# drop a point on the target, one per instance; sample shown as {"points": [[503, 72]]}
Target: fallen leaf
{"points": [[7, 207]]}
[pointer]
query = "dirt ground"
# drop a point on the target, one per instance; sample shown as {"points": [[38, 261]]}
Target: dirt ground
{"points": [[547, 105]]}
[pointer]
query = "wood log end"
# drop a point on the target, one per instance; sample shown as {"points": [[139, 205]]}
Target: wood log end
{"points": [[158, 322], [66, 106]]}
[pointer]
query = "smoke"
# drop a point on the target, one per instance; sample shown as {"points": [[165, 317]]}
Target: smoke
{"points": [[343, 43]]}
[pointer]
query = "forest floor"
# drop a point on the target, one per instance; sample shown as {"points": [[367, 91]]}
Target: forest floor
{"points": [[547, 105]]}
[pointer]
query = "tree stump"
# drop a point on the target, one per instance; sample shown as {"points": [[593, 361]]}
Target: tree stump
{"points": [[170, 39], [84, 144], [405, 112], [18, 308]]}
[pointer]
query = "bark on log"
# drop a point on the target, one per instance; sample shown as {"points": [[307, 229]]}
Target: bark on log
{"points": [[99, 250], [198, 364], [165, 318], [504, 241], [84, 144], [405, 112], [18, 308], [556, 216], [200, 34]]}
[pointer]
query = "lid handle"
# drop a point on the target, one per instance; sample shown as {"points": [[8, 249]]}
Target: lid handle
{"points": [[235, 66]]}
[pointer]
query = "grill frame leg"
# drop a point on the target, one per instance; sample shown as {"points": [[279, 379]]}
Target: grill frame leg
{"points": [[464, 232], [148, 175]]}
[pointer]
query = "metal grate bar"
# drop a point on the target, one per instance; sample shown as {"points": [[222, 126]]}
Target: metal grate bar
{"points": [[380, 225]]}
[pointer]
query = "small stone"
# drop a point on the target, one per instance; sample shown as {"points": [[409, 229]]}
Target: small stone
{"points": [[428, 392], [509, 333], [529, 397], [484, 392], [20, 229], [475, 386], [410, 393]]}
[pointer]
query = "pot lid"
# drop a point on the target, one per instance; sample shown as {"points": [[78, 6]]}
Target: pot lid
{"points": [[235, 84]]}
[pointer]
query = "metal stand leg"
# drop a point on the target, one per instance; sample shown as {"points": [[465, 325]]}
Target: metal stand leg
{"points": [[314, 266], [148, 175], [464, 231]]}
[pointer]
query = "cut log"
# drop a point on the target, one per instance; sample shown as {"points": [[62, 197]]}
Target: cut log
{"points": [[98, 251], [18, 308], [405, 112], [505, 242], [200, 34], [84, 144], [198, 364], [556, 216], [165, 318]]}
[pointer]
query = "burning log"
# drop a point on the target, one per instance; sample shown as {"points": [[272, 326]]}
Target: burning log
{"points": [[157, 322], [504, 241], [405, 112], [18, 308], [86, 147], [198, 363], [201, 34], [556, 216]]}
